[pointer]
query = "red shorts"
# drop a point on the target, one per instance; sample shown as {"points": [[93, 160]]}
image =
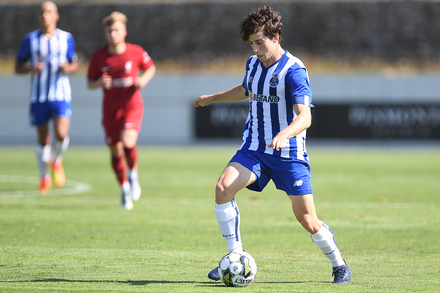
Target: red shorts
{"points": [[114, 123]]}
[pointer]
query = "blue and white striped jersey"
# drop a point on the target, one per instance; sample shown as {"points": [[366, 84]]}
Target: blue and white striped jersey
{"points": [[50, 84], [272, 93]]}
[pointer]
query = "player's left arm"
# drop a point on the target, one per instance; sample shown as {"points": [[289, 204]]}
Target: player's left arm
{"points": [[141, 81], [302, 121], [299, 92], [147, 65], [71, 65]]}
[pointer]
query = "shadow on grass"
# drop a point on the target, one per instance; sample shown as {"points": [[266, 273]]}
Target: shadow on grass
{"points": [[130, 282], [143, 282]]}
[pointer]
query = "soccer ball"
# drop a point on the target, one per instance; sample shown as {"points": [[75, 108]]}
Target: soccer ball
{"points": [[237, 269]]}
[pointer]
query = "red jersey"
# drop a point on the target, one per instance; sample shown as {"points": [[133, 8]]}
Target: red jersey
{"points": [[122, 106], [123, 68]]}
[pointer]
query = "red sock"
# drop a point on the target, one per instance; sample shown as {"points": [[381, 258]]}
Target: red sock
{"points": [[119, 169], [131, 157]]}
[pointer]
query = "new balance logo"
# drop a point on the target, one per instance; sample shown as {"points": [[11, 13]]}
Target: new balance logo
{"points": [[298, 183]]}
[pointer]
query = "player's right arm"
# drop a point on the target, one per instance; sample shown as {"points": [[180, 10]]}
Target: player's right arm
{"points": [[28, 67], [234, 94], [104, 81], [95, 76], [22, 63], [93, 84]]}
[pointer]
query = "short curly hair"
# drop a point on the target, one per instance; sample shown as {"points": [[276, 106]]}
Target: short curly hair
{"points": [[114, 17], [263, 19]]}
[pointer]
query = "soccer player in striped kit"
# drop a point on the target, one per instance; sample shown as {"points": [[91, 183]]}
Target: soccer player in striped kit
{"points": [[274, 138], [115, 68], [49, 54]]}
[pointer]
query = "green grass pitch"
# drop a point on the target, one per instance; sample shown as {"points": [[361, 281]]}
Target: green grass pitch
{"points": [[382, 204]]}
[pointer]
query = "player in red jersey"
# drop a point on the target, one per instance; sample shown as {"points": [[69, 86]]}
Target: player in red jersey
{"points": [[115, 68]]}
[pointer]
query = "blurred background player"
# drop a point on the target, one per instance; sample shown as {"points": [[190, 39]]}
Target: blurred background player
{"points": [[49, 54], [115, 68], [277, 86]]}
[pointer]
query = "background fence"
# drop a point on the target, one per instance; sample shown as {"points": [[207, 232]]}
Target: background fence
{"points": [[370, 105], [199, 32]]}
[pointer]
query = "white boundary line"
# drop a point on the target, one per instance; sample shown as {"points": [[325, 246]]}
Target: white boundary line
{"points": [[70, 187]]}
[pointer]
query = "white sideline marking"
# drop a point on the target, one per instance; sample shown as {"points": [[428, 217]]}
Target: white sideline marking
{"points": [[70, 187]]}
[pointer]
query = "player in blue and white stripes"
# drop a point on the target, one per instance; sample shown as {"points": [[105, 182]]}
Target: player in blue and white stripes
{"points": [[49, 54], [271, 91], [274, 137]]}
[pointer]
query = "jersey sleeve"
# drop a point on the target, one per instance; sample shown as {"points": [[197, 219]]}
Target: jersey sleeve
{"points": [[71, 49], [245, 79], [24, 52], [146, 61], [94, 71], [298, 87]]}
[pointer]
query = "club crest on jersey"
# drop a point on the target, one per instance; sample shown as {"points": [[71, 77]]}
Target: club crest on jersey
{"points": [[274, 81], [128, 66]]}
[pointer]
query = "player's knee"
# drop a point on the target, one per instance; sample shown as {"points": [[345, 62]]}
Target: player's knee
{"points": [[220, 188], [129, 144], [60, 136], [223, 193], [310, 223], [44, 140]]}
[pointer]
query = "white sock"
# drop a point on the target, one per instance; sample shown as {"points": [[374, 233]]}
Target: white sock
{"points": [[60, 147], [325, 240], [132, 174], [228, 217], [125, 187], [43, 157]]}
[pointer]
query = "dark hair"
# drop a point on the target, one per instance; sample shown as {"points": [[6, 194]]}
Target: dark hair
{"points": [[263, 19]]}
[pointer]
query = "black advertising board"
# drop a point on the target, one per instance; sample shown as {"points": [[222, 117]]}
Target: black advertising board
{"points": [[376, 121], [349, 121], [221, 120]]}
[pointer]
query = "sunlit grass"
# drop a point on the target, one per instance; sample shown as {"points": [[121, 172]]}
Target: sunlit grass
{"points": [[382, 206]]}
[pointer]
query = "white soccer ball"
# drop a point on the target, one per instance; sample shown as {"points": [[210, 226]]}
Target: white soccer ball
{"points": [[237, 269]]}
